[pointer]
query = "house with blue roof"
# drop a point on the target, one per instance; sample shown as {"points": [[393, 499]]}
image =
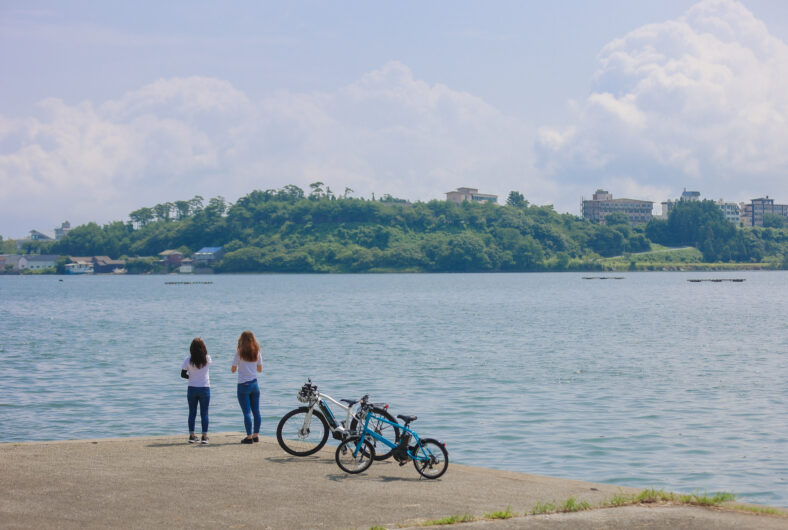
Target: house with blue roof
{"points": [[207, 256]]}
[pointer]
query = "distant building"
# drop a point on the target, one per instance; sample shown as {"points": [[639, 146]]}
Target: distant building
{"points": [[35, 235], [689, 195], [668, 205], [470, 194], [64, 229], [186, 266], [37, 262], [207, 256], [11, 262], [171, 258], [752, 214], [105, 265], [730, 210], [604, 204]]}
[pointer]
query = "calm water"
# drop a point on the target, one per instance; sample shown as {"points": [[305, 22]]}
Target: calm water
{"points": [[649, 381]]}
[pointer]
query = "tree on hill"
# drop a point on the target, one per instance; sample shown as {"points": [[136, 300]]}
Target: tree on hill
{"points": [[617, 218], [771, 220], [702, 224], [516, 199]]}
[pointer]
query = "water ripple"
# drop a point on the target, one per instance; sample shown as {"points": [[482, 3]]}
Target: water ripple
{"points": [[651, 381]]}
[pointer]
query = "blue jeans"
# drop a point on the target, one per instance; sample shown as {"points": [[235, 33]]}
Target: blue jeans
{"points": [[201, 395], [249, 399]]}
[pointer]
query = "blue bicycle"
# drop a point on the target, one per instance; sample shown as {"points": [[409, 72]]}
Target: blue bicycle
{"points": [[356, 453]]}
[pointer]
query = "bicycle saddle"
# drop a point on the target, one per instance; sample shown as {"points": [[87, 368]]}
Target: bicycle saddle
{"points": [[407, 419], [350, 402]]}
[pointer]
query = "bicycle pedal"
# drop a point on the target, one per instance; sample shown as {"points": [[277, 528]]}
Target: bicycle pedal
{"points": [[403, 462]]}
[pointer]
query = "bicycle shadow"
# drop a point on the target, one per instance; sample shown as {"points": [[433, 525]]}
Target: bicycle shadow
{"points": [[185, 444], [292, 459], [342, 477]]}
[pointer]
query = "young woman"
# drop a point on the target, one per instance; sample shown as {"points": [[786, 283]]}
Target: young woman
{"points": [[195, 369], [249, 362]]}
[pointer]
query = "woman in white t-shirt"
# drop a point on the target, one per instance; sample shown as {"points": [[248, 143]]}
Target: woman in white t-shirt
{"points": [[195, 369], [248, 362]]}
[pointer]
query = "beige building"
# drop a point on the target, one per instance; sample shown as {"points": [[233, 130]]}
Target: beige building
{"points": [[470, 194], [603, 204]]}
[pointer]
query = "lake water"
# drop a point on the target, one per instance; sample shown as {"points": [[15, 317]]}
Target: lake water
{"points": [[646, 381]]}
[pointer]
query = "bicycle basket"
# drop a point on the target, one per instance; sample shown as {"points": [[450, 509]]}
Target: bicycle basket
{"points": [[307, 393]]}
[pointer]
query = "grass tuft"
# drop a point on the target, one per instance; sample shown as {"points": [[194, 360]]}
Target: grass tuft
{"points": [[620, 500], [571, 505], [547, 507], [766, 510], [651, 495], [505, 514], [715, 500], [452, 519]]}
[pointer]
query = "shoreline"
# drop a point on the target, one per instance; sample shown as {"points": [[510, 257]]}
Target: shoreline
{"points": [[640, 267], [156, 481]]}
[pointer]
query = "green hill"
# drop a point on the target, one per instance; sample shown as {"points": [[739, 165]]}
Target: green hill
{"points": [[286, 231]]}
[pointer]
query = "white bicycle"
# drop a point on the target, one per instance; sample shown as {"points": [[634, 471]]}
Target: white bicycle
{"points": [[304, 431]]}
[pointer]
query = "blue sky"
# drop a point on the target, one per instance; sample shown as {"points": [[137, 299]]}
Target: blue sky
{"points": [[106, 107]]}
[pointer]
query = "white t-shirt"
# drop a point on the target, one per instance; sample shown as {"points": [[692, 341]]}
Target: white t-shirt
{"points": [[247, 370], [197, 376]]}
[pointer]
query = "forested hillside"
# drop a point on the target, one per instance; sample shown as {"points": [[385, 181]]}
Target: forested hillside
{"points": [[287, 231]]}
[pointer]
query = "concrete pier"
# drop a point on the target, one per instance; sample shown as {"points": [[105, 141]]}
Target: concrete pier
{"points": [[163, 482]]}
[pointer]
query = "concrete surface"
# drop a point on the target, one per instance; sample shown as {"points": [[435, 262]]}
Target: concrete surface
{"points": [[158, 482]]}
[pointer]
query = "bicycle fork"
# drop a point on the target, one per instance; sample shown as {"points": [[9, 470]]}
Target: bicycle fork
{"points": [[303, 432]]}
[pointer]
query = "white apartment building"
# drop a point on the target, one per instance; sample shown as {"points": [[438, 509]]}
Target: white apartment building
{"points": [[730, 210]]}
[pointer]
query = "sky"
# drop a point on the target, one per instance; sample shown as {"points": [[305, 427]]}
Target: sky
{"points": [[106, 107]]}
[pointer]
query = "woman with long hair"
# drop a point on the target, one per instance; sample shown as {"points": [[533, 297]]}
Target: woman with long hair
{"points": [[249, 362], [195, 369]]}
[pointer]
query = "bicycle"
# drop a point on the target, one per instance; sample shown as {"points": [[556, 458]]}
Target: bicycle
{"points": [[356, 453], [304, 431]]}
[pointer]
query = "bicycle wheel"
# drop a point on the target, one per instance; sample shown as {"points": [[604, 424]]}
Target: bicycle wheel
{"points": [[389, 432], [432, 459], [350, 463], [299, 439]]}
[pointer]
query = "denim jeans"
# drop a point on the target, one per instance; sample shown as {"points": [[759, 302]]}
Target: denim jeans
{"points": [[201, 395], [249, 399]]}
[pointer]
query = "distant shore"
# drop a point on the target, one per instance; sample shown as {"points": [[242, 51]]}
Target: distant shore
{"points": [[638, 267], [161, 481]]}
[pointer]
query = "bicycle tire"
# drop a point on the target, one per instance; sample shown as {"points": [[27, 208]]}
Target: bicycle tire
{"points": [[354, 464], [382, 429], [439, 460], [301, 444]]}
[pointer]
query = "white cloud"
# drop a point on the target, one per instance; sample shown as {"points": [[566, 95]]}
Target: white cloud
{"points": [[701, 101], [387, 132]]}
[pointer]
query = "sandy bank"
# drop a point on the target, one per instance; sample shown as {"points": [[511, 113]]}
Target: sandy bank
{"points": [[157, 482]]}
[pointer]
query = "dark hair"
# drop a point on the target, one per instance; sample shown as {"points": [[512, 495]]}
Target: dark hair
{"points": [[199, 353], [248, 348]]}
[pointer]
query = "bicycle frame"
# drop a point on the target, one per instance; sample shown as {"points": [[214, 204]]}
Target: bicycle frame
{"points": [[334, 426], [421, 458]]}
